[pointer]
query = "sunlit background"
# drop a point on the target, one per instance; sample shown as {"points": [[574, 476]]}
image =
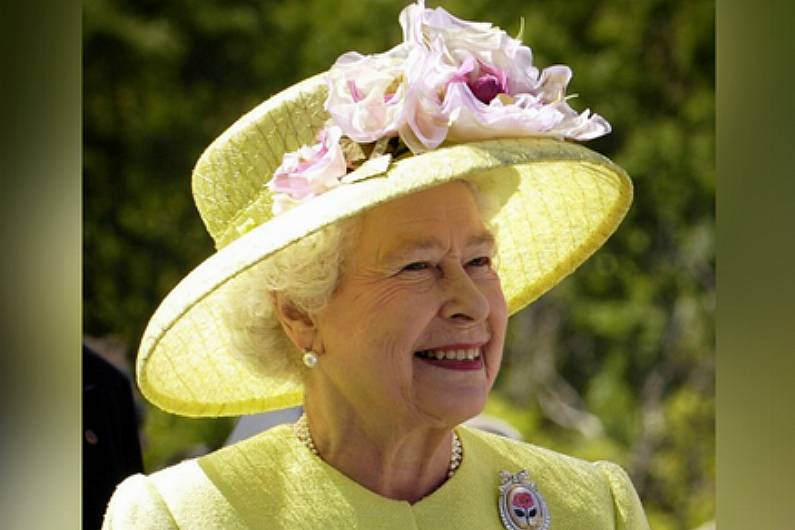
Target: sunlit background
{"points": [[616, 363]]}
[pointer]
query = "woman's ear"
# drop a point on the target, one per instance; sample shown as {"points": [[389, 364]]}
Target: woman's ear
{"points": [[296, 323]]}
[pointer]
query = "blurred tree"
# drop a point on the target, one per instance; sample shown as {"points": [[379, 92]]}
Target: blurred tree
{"points": [[616, 362]]}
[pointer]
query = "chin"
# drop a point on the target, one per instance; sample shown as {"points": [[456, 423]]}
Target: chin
{"points": [[450, 411]]}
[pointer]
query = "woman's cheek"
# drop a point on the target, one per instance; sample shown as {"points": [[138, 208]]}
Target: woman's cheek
{"points": [[498, 322]]}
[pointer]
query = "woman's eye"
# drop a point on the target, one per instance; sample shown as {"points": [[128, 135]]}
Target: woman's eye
{"points": [[417, 266], [483, 261]]}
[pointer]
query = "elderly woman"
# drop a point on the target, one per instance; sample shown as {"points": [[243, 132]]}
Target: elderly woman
{"points": [[416, 199]]}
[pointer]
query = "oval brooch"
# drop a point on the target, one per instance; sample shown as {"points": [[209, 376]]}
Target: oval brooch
{"points": [[521, 505]]}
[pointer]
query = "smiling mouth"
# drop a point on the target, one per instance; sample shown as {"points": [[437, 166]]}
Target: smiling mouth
{"points": [[453, 359]]}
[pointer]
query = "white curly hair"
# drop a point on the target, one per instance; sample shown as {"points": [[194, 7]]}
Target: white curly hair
{"points": [[306, 272]]}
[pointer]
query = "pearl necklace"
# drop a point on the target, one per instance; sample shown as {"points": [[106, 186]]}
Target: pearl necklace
{"points": [[301, 430]]}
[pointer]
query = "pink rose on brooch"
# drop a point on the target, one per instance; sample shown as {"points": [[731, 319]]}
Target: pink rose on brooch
{"points": [[523, 500]]}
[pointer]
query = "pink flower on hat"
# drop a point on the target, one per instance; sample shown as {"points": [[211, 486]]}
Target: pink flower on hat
{"points": [[462, 39], [491, 89], [309, 171], [450, 80]]}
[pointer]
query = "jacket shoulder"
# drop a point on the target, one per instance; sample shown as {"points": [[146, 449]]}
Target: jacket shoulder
{"points": [[572, 484], [136, 503], [179, 496], [628, 509], [518, 453]]}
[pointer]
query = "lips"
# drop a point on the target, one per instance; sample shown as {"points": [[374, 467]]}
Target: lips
{"points": [[458, 357]]}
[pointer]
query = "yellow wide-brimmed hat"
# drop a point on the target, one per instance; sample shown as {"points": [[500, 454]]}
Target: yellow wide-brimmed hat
{"points": [[557, 203]]}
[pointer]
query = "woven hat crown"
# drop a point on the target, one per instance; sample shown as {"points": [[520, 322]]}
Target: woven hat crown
{"points": [[229, 180]]}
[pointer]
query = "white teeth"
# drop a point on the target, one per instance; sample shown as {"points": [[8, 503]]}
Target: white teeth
{"points": [[459, 355]]}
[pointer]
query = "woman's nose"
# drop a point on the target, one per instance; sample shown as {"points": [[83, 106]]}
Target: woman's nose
{"points": [[464, 301]]}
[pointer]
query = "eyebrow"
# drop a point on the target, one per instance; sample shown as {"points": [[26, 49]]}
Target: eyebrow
{"points": [[411, 246]]}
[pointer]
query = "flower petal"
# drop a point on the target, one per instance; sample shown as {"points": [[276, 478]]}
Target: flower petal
{"points": [[366, 93], [311, 169]]}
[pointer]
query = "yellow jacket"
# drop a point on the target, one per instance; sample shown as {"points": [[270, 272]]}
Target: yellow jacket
{"points": [[272, 481]]}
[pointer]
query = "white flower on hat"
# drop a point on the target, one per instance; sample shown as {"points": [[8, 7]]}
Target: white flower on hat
{"points": [[367, 92], [426, 122]]}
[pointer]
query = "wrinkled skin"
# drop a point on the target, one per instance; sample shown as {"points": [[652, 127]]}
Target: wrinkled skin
{"points": [[418, 278], [392, 302]]}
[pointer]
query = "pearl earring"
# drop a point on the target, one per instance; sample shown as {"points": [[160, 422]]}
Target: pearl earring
{"points": [[310, 359]]}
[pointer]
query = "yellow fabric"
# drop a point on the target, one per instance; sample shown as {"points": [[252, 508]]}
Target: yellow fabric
{"points": [[272, 481]]}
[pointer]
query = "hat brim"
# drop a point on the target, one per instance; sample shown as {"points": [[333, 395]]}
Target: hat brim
{"points": [[559, 202]]}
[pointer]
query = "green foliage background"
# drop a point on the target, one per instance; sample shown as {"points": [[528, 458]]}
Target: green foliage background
{"points": [[617, 362]]}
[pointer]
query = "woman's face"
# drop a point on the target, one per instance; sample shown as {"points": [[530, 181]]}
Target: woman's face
{"points": [[417, 289]]}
